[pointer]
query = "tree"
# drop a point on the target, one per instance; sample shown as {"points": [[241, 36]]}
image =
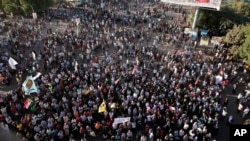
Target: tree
{"points": [[239, 39], [1, 6], [208, 19], [241, 7], [231, 14], [11, 6], [25, 6], [236, 36], [244, 50]]}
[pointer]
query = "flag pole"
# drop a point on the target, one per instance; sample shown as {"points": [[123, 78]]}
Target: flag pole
{"points": [[196, 15]]}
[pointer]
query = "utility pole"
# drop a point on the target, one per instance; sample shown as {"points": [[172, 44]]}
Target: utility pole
{"points": [[196, 15]]}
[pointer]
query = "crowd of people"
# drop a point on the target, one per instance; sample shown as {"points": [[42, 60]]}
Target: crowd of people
{"points": [[108, 66]]}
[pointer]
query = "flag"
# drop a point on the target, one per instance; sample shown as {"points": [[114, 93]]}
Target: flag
{"points": [[37, 75], [12, 63], [33, 55], [114, 105], [209, 71], [78, 21], [221, 71], [134, 70], [87, 92], [171, 108], [102, 107], [202, 1], [197, 80], [29, 86], [117, 81], [76, 66], [27, 103]]}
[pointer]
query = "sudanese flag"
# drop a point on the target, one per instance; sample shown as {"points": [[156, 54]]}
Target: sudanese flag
{"points": [[27, 103]]}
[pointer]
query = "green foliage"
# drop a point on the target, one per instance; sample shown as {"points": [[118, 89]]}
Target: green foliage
{"points": [[234, 50], [242, 8], [11, 6], [231, 14], [24, 6], [208, 19], [239, 39], [236, 36], [245, 50]]}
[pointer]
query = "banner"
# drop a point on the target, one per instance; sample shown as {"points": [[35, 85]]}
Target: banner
{"points": [[34, 15], [204, 41], [215, 4], [120, 120], [187, 30], [29, 86], [204, 1]]}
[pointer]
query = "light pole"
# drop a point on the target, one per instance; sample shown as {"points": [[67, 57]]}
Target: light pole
{"points": [[197, 11]]}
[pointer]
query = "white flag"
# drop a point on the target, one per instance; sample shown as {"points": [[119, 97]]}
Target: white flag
{"points": [[78, 21], [37, 75], [76, 66], [12, 63], [33, 55]]}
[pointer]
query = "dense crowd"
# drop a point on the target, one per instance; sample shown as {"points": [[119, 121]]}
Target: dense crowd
{"points": [[113, 58]]}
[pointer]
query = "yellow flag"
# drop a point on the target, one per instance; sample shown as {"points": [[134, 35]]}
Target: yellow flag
{"points": [[102, 107]]}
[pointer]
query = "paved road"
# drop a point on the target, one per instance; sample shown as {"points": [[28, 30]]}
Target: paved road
{"points": [[223, 134]]}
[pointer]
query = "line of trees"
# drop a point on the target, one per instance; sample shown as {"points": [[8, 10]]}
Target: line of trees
{"points": [[24, 6]]}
